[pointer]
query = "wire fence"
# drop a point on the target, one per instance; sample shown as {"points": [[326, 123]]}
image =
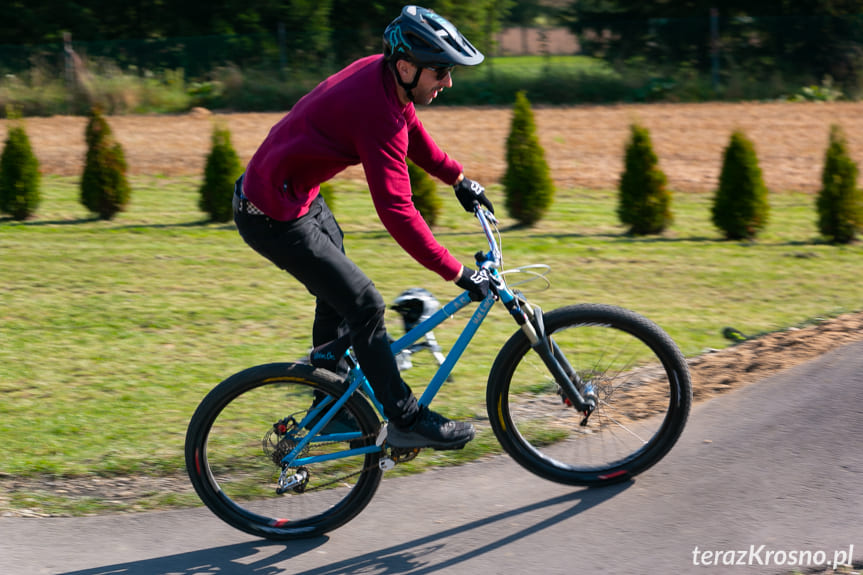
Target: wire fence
{"points": [[709, 57]]}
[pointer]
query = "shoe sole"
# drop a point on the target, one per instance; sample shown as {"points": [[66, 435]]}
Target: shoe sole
{"points": [[428, 445]]}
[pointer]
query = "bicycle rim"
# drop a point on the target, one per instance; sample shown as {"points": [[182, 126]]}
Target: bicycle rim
{"points": [[248, 423], [640, 382]]}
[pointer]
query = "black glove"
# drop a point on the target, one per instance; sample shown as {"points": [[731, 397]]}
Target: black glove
{"points": [[469, 193], [475, 282]]}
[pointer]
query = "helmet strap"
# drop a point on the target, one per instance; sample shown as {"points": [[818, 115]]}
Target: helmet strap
{"points": [[408, 86]]}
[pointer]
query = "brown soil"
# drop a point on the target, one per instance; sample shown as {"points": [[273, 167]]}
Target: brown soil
{"points": [[584, 148], [583, 144]]}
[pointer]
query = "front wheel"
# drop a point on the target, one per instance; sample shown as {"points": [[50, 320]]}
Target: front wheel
{"points": [[248, 423], [633, 370]]}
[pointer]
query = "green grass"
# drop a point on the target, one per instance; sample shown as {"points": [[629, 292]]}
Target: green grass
{"points": [[112, 332], [560, 79], [534, 67]]}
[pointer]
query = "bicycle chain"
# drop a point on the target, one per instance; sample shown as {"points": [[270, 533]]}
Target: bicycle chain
{"points": [[397, 455], [342, 477]]}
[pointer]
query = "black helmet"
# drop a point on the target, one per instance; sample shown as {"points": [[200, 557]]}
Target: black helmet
{"points": [[428, 40]]}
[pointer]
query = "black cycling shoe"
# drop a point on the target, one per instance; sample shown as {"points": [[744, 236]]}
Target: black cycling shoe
{"points": [[430, 430]]}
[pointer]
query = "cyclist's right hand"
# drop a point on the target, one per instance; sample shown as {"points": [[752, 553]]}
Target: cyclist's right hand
{"points": [[470, 193], [475, 282]]}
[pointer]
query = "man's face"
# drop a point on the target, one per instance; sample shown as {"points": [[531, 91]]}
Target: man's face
{"points": [[430, 84]]}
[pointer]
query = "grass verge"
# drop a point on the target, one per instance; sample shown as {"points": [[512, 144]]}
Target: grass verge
{"points": [[112, 332]]}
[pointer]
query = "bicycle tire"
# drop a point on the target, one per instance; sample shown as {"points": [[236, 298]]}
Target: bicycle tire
{"points": [[232, 456], [639, 377]]}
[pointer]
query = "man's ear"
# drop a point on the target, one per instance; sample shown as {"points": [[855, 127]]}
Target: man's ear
{"points": [[406, 70]]}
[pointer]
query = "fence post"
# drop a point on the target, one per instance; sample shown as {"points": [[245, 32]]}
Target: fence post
{"points": [[68, 61], [283, 50], [714, 48]]}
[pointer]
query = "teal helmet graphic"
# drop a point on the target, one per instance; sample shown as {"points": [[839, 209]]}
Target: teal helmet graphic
{"points": [[427, 39]]}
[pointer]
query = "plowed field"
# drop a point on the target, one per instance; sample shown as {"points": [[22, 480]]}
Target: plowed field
{"points": [[583, 144]]}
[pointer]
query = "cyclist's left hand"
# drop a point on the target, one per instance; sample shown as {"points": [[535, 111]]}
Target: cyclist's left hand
{"points": [[469, 193], [475, 282]]}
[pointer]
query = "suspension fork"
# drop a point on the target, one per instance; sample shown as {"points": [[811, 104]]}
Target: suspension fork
{"points": [[530, 319], [559, 367]]}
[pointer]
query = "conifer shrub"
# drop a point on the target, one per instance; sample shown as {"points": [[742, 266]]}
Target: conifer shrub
{"points": [[839, 203], [527, 184], [644, 201], [105, 190], [740, 205], [425, 196], [19, 175], [220, 174]]}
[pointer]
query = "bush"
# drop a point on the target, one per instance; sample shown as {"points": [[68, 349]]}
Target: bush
{"points": [[645, 202], [740, 206], [527, 182], [839, 205], [104, 187], [19, 175], [425, 196], [220, 173]]}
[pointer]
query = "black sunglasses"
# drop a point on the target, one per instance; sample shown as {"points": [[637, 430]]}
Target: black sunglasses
{"points": [[441, 71]]}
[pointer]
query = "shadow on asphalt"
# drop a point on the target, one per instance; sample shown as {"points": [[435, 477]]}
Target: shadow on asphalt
{"points": [[419, 556]]}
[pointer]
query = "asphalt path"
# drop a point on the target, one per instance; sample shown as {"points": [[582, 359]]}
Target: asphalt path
{"points": [[768, 479]]}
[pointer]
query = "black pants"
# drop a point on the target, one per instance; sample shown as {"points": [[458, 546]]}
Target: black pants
{"points": [[310, 249]]}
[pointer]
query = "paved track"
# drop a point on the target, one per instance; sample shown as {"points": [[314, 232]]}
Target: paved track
{"points": [[778, 464]]}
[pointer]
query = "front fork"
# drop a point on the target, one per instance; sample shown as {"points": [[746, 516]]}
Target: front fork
{"points": [[530, 319]]}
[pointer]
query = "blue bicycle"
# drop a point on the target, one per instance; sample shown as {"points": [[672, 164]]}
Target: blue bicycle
{"points": [[583, 395]]}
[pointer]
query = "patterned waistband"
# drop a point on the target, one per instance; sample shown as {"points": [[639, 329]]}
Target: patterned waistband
{"points": [[243, 205]]}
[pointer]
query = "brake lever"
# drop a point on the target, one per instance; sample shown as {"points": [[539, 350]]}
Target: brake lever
{"points": [[489, 216]]}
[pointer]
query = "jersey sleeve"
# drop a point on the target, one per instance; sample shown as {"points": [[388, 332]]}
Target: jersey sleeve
{"points": [[383, 159]]}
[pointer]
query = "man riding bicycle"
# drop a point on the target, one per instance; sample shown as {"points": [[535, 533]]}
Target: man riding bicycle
{"points": [[364, 114]]}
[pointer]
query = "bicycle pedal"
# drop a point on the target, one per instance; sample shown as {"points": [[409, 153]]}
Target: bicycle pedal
{"points": [[397, 456], [402, 455]]}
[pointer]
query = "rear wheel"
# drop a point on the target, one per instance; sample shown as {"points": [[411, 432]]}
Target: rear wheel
{"points": [[636, 374], [248, 423]]}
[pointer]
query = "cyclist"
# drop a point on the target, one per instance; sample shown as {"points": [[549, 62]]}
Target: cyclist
{"points": [[364, 114]]}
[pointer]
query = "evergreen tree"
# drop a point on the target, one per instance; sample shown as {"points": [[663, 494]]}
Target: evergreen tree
{"points": [[220, 173], [19, 175], [645, 201], [839, 202], [104, 187], [527, 183], [740, 206], [425, 196]]}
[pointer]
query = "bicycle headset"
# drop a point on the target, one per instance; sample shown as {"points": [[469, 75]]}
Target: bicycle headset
{"points": [[427, 40]]}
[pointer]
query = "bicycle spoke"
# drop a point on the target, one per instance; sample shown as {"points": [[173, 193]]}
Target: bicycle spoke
{"points": [[635, 420], [239, 444]]}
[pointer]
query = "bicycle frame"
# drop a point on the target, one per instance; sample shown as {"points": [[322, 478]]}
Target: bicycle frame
{"points": [[528, 317]]}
